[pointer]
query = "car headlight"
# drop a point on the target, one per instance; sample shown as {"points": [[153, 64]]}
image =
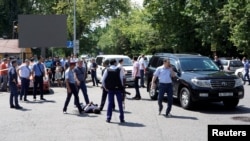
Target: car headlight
{"points": [[201, 83], [238, 82]]}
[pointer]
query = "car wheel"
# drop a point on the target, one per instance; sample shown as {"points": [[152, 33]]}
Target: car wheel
{"points": [[231, 103], [185, 98], [153, 93]]}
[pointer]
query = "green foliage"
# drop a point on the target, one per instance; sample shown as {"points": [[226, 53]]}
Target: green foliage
{"points": [[129, 34], [202, 26]]}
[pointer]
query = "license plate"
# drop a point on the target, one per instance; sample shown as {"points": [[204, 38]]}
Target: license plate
{"points": [[226, 94], [129, 79]]}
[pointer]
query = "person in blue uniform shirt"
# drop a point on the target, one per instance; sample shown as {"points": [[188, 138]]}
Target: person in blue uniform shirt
{"points": [[165, 74], [12, 79], [38, 72], [71, 88]]}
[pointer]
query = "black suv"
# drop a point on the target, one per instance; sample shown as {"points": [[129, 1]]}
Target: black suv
{"points": [[198, 79]]}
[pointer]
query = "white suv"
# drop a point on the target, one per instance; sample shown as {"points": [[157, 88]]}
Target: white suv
{"points": [[127, 65]]}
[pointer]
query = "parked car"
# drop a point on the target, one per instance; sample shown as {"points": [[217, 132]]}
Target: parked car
{"points": [[127, 65], [240, 73], [198, 79], [231, 65]]}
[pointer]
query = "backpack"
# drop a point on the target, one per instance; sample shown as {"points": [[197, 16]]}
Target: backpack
{"points": [[113, 81]]}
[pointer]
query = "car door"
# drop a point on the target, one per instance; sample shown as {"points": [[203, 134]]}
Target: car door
{"points": [[99, 61], [175, 80]]}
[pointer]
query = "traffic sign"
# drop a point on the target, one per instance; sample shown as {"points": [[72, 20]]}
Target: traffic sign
{"points": [[70, 44]]}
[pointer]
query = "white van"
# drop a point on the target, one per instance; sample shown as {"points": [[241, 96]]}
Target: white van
{"points": [[127, 65]]}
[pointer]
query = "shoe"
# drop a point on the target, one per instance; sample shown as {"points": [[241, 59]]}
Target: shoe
{"points": [[108, 120], [122, 121], [168, 115], [12, 106], [64, 112], [136, 98], [26, 99], [19, 107], [160, 109], [100, 108], [42, 99], [80, 110]]}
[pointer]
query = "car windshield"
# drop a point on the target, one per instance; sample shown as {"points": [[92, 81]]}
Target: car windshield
{"points": [[198, 64], [236, 63], [126, 61]]}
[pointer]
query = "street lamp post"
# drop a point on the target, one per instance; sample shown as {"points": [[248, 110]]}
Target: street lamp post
{"points": [[74, 42]]}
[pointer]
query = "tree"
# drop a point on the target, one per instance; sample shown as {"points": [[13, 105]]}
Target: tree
{"points": [[130, 34]]}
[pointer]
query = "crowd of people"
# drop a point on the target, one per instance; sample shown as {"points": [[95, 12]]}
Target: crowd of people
{"points": [[72, 72]]}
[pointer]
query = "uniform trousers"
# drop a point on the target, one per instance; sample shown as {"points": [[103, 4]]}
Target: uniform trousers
{"points": [[13, 94], [111, 95], [165, 88], [25, 82], [38, 80], [74, 92]]}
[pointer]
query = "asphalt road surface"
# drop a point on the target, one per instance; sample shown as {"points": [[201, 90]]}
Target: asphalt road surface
{"points": [[45, 121]]}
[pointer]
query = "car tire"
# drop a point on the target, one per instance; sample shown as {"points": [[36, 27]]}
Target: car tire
{"points": [[231, 103], [185, 98], [153, 94]]}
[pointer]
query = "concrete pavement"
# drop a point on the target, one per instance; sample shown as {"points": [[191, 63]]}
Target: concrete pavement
{"points": [[44, 120]]}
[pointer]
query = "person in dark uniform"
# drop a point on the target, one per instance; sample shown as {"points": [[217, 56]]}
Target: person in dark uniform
{"points": [[24, 73], [12, 79], [71, 88], [104, 92], [165, 74], [38, 72], [80, 74], [113, 83]]}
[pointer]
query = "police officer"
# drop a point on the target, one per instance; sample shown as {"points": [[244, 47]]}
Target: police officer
{"points": [[71, 88], [104, 92], [113, 83], [165, 74], [12, 79], [38, 72]]}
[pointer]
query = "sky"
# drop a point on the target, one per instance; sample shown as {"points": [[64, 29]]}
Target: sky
{"points": [[139, 2], [103, 23]]}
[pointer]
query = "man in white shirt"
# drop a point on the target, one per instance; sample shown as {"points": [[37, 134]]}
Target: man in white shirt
{"points": [[142, 70], [136, 75], [24, 74]]}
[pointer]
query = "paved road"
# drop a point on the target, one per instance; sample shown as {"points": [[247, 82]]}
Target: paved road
{"points": [[45, 120]]}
